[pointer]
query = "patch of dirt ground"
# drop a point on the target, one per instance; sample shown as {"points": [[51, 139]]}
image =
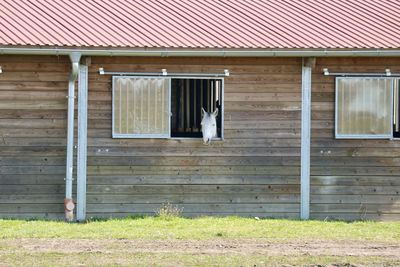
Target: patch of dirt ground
{"points": [[211, 247]]}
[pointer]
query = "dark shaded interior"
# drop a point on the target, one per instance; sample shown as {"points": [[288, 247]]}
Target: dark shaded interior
{"points": [[188, 96], [396, 109]]}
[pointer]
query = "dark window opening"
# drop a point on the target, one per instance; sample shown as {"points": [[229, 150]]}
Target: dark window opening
{"points": [[396, 109], [188, 96]]}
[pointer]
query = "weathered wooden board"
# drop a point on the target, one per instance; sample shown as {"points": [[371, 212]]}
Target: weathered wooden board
{"points": [[6, 140], [33, 85], [355, 190], [32, 179], [192, 179], [356, 171], [240, 69], [218, 63], [274, 215], [12, 132], [190, 208], [34, 104], [192, 198], [34, 215], [32, 114], [36, 189], [355, 199], [189, 151], [175, 170], [371, 179], [186, 189], [357, 208], [36, 199], [174, 142], [193, 161], [48, 169], [157, 199], [32, 124]]}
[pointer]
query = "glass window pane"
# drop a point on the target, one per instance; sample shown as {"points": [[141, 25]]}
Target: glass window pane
{"points": [[364, 107], [141, 106]]}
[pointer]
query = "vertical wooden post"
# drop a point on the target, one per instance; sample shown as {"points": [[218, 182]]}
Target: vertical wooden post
{"points": [[307, 66], [82, 142]]}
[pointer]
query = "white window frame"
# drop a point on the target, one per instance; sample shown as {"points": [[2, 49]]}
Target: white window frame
{"points": [[363, 136], [167, 136]]}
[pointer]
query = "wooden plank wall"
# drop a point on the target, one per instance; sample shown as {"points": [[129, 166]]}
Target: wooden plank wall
{"points": [[32, 135], [253, 172], [351, 179]]}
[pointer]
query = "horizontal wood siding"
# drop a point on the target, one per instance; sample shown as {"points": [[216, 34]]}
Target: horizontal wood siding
{"points": [[351, 179], [253, 172], [32, 135]]}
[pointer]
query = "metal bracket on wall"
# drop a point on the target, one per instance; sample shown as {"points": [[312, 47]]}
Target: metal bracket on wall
{"points": [[164, 73], [387, 73]]}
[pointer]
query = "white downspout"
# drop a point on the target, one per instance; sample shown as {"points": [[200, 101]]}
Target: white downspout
{"points": [[68, 201]]}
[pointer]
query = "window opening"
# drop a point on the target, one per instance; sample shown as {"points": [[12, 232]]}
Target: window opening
{"points": [[188, 96]]}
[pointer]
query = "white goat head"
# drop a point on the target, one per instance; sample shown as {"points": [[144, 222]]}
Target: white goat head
{"points": [[208, 125]]}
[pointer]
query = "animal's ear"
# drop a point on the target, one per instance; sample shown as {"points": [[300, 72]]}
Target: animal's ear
{"points": [[215, 113], [202, 111]]}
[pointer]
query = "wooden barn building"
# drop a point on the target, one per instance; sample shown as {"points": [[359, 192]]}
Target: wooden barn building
{"points": [[100, 106]]}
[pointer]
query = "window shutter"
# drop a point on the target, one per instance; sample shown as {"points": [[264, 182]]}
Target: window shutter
{"points": [[364, 107], [141, 107]]}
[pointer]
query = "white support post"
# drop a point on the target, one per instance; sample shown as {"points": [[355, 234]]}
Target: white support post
{"points": [[305, 141], [82, 142]]}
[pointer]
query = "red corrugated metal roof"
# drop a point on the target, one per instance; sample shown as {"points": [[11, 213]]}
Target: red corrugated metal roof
{"points": [[201, 24]]}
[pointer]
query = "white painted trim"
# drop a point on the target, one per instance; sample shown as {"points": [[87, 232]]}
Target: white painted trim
{"points": [[305, 142], [221, 52], [82, 143]]}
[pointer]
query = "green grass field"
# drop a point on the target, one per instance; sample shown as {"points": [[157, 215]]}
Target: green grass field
{"points": [[202, 228], [207, 241]]}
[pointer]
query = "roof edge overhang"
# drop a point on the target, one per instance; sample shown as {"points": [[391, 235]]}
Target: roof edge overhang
{"points": [[199, 52]]}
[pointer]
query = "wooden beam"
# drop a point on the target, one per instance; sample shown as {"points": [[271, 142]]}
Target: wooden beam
{"points": [[82, 142], [310, 62], [87, 61], [305, 139]]}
